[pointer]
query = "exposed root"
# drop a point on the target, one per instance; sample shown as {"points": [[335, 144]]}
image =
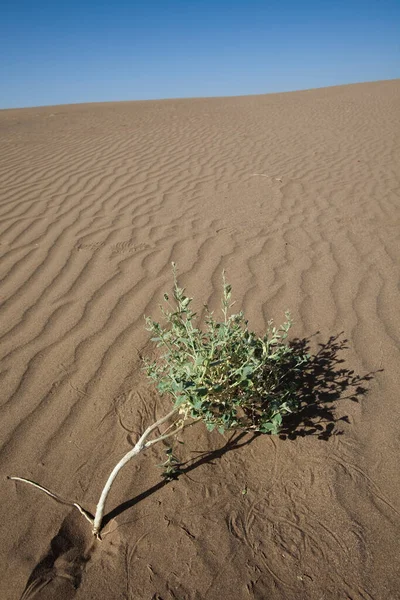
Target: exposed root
{"points": [[55, 496]]}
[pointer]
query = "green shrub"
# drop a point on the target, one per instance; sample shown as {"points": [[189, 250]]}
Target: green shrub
{"points": [[224, 375]]}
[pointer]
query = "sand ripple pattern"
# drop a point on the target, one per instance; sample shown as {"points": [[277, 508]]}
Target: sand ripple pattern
{"points": [[297, 197]]}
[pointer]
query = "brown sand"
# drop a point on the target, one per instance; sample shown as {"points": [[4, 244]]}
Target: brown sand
{"points": [[296, 195]]}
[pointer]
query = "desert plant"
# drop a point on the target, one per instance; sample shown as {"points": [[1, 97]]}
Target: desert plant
{"points": [[171, 466], [224, 375]]}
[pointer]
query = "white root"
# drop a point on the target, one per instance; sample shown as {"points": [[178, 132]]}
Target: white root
{"points": [[55, 496]]}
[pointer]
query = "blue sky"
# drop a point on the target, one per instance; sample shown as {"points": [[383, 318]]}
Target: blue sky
{"points": [[85, 51]]}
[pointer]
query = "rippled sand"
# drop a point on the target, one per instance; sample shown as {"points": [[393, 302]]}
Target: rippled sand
{"points": [[296, 195]]}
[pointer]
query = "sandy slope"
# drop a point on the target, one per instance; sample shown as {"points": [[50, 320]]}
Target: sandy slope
{"points": [[297, 196]]}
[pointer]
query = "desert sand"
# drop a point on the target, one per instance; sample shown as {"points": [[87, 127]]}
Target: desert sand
{"points": [[296, 195]]}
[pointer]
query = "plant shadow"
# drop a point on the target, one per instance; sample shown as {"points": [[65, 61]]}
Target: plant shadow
{"points": [[322, 383], [236, 440]]}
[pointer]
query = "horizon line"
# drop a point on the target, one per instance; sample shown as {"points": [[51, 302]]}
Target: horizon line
{"points": [[175, 98]]}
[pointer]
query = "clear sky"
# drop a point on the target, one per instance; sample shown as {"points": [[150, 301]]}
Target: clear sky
{"points": [[90, 51]]}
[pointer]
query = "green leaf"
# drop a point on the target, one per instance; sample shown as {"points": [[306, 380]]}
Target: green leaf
{"points": [[163, 386], [176, 387], [197, 404], [267, 427], [277, 419], [246, 371], [185, 302], [179, 401]]}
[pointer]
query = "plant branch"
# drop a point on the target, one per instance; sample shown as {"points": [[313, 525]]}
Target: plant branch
{"points": [[139, 447], [164, 437], [155, 426], [172, 433]]}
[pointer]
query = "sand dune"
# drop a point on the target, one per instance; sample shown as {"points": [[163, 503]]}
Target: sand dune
{"points": [[296, 195]]}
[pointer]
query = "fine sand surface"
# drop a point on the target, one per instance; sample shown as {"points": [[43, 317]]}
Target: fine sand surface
{"points": [[296, 195]]}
